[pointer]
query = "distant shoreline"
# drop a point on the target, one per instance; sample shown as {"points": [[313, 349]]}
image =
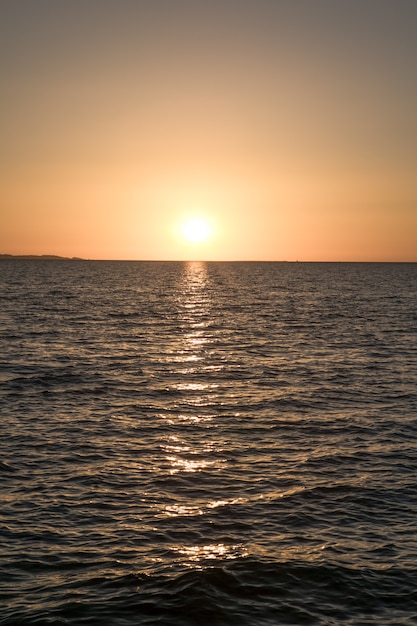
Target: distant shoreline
{"points": [[41, 257]]}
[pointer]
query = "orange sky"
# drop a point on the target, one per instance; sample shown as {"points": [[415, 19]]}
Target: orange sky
{"points": [[290, 126]]}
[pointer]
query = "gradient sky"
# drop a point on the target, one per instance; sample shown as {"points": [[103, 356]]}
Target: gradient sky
{"points": [[290, 125]]}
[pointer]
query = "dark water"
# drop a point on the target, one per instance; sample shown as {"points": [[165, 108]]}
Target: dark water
{"points": [[223, 444]]}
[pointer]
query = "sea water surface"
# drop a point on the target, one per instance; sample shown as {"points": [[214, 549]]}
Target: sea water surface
{"points": [[208, 443]]}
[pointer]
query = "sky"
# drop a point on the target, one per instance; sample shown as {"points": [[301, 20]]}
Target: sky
{"points": [[287, 127]]}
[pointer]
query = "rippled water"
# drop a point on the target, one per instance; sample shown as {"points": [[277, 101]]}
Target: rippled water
{"points": [[221, 443]]}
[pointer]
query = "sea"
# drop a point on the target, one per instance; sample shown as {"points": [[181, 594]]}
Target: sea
{"points": [[223, 444]]}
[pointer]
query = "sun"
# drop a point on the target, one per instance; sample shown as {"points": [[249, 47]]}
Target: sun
{"points": [[196, 230]]}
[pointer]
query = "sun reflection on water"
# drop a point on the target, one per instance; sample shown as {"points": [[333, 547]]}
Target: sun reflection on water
{"points": [[195, 555], [175, 510], [193, 386], [187, 465], [192, 345], [195, 446]]}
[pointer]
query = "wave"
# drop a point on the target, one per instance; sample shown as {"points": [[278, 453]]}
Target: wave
{"points": [[245, 591]]}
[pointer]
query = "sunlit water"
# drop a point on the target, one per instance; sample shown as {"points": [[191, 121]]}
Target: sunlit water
{"points": [[223, 444]]}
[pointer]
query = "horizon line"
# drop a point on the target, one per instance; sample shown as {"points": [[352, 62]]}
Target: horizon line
{"points": [[51, 257]]}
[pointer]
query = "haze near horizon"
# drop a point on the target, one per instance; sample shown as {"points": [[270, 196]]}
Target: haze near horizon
{"points": [[229, 130]]}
